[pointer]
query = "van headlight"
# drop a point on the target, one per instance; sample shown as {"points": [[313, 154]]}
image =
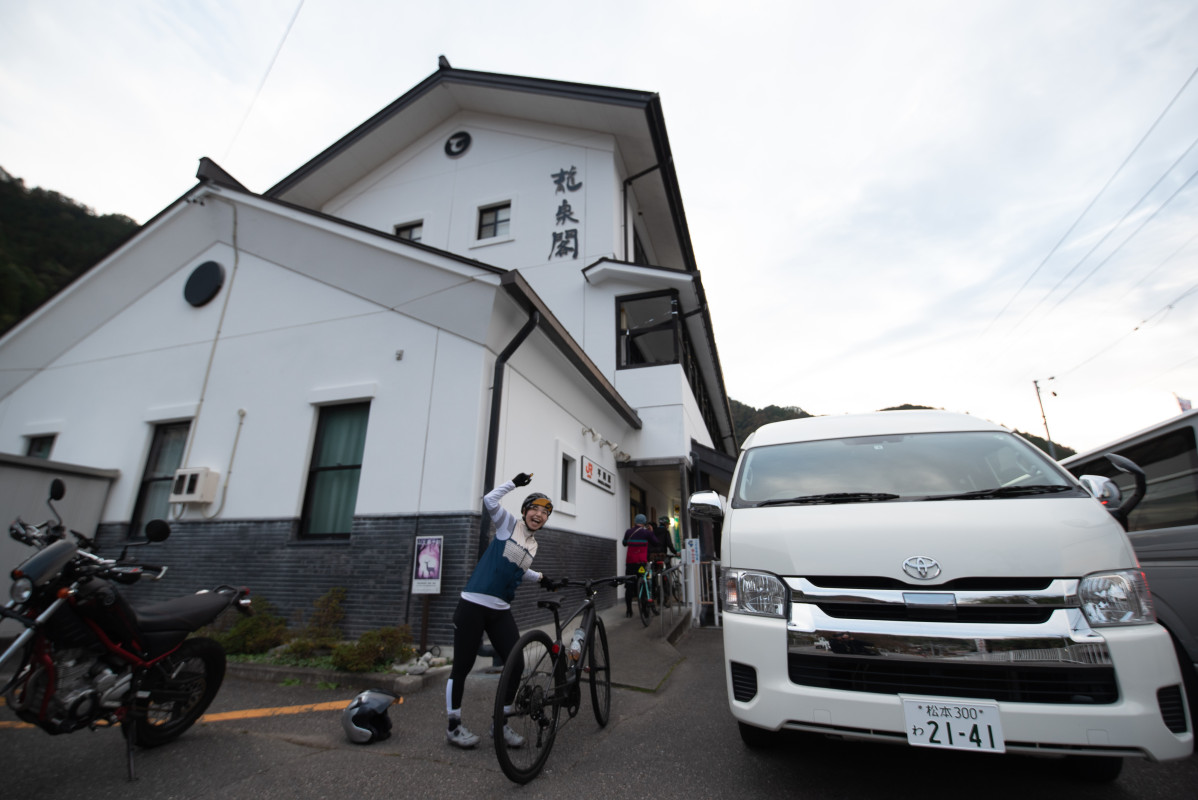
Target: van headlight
{"points": [[760, 593], [1116, 598]]}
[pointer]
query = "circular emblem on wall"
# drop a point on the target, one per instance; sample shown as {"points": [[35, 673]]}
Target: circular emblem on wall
{"points": [[457, 144], [204, 283]]}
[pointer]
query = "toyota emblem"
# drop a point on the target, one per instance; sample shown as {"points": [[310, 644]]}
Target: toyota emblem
{"points": [[921, 568]]}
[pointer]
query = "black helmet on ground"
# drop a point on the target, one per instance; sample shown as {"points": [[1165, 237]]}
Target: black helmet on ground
{"points": [[365, 719]]}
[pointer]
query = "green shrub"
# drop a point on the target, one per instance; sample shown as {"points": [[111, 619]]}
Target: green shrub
{"points": [[375, 650], [324, 628], [264, 630]]}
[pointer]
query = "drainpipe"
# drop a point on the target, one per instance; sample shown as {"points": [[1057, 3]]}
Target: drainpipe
{"points": [[627, 183], [493, 431]]}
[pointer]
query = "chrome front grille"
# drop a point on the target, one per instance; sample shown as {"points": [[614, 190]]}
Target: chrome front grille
{"points": [[1013, 640]]}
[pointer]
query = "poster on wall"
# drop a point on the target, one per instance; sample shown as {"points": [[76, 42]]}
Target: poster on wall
{"points": [[426, 574]]}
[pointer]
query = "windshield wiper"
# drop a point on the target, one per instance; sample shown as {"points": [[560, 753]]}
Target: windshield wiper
{"points": [[834, 497], [1004, 491]]}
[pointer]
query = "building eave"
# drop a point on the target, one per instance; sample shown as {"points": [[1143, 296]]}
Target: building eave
{"points": [[519, 289]]}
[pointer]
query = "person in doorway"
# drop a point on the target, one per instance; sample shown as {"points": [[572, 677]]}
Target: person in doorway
{"points": [[485, 605], [664, 547], [637, 539]]}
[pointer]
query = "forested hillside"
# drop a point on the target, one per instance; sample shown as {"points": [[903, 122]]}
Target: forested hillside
{"points": [[46, 241]]}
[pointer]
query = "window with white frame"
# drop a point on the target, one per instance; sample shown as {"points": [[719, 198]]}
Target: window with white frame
{"points": [[567, 480]]}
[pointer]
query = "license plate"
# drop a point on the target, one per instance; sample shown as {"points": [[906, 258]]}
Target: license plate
{"points": [[951, 724]]}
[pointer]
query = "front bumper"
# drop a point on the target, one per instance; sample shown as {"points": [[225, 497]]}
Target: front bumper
{"points": [[1130, 664]]}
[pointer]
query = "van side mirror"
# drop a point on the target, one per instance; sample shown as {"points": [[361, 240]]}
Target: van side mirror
{"points": [[706, 505], [1105, 490], [1129, 467]]}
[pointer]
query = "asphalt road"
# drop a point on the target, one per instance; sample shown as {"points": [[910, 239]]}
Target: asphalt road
{"points": [[676, 742]]}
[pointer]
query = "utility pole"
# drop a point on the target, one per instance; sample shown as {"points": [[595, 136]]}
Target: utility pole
{"points": [[1052, 450]]}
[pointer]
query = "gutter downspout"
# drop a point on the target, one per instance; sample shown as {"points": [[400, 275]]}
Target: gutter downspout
{"points": [[628, 182], [493, 429]]}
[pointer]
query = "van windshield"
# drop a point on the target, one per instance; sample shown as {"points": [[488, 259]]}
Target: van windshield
{"points": [[963, 465]]}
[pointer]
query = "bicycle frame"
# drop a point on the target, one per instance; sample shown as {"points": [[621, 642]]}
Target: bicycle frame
{"points": [[540, 679]]}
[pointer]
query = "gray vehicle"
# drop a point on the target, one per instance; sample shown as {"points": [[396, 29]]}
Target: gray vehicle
{"points": [[1163, 527]]}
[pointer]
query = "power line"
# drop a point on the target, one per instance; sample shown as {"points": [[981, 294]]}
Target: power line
{"points": [[1101, 191], [1108, 234], [1132, 235], [1163, 310], [270, 67]]}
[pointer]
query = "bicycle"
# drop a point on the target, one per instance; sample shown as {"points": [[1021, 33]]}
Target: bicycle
{"points": [[646, 592], [542, 676], [671, 577]]}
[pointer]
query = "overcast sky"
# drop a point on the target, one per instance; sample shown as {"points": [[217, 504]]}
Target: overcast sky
{"points": [[891, 202]]}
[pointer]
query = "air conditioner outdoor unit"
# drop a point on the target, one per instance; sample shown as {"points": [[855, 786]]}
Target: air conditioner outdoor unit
{"points": [[194, 485]]}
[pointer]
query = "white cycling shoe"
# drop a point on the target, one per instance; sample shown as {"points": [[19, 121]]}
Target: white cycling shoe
{"points": [[460, 737], [510, 737]]}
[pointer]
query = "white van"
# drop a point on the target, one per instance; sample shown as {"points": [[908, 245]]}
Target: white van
{"points": [[929, 578]]}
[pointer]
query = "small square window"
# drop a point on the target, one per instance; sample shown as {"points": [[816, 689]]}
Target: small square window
{"points": [[39, 446], [494, 221], [412, 231]]}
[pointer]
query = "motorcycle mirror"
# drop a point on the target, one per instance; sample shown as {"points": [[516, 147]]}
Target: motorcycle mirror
{"points": [[58, 489], [157, 530]]}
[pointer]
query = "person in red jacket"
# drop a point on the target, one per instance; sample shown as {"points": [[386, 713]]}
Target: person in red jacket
{"points": [[639, 539]]}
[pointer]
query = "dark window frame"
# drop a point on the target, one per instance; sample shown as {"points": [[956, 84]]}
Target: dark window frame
{"points": [[626, 353], [40, 446], [154, 477], [490, 221], [684, 353], [410, 231], [318, 471]]}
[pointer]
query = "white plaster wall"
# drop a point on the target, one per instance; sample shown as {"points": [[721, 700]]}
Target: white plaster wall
{"points": [[288, 343], [545, 410], [508, 160]]}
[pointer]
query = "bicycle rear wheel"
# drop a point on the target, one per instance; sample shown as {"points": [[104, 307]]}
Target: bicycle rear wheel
{"points": [[676, 586], [528, 678], [599, 667], [642, 600]]}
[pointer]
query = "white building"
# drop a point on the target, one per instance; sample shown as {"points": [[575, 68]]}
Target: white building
{"points": [[492, 275]]}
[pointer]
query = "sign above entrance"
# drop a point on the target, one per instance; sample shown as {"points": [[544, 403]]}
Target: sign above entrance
{"points": [[596, 475]]}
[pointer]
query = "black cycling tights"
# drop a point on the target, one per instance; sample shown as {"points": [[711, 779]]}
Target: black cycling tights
{"points": [[470, 621]]}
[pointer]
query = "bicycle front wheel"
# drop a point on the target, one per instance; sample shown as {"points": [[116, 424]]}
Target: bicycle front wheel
{"points": [[528, 701], [599, 667], [676, 586]]}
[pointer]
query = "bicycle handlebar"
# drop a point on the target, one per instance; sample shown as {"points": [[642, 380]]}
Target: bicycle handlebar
{"points": [[590, 583]]}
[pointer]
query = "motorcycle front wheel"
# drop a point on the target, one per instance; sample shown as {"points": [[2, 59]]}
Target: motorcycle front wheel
{"points": [[180, 690]]}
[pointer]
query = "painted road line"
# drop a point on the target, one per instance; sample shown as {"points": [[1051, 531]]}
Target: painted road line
{"points": [[251, 713]]}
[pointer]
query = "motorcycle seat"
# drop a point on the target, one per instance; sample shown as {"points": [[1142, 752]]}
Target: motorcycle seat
{"points": [[188, 613]]}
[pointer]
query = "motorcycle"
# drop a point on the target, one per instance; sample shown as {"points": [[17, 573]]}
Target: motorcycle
{"points": [[88, 659]]}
